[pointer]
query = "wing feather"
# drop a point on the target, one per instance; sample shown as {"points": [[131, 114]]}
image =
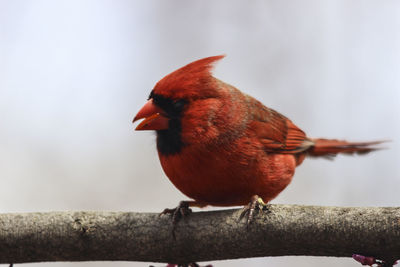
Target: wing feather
{"points": [[276, 132]]}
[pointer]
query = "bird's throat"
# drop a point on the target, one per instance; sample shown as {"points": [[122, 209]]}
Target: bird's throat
{"points": [[169, 141]]}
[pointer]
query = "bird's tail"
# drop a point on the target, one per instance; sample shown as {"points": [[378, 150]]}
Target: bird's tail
{"points": [[331, 147]]}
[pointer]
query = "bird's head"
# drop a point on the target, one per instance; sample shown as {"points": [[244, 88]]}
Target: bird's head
{"points": [[170, 99]]}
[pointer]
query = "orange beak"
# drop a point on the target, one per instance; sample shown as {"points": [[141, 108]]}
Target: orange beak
{"points": [[153, 117]]}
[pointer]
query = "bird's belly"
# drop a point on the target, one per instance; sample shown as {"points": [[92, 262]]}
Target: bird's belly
{"points": [[228, 179]]}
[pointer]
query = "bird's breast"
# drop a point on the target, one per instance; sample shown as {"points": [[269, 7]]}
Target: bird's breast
{"points": [[228, 175]]}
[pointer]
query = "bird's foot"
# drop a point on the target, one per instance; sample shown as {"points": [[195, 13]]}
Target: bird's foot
{"points": [[256, 203], [178, 213]]}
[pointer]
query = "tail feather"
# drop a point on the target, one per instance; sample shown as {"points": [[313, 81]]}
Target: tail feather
{"points": [[331, 147]]}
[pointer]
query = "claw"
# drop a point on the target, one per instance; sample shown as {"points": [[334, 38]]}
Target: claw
{"points": [[178, 213], [256, 203]]}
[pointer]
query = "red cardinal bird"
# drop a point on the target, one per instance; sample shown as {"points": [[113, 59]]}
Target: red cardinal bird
{"points": [[222, 147]]}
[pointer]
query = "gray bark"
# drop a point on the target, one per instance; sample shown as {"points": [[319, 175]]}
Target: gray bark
{"points": [[202, 236]]}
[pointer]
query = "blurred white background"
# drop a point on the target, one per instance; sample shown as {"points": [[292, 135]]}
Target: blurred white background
{"points": [[74, 73]]}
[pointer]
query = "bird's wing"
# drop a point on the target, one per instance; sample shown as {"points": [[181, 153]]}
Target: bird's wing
{"points": [[276, 132]]}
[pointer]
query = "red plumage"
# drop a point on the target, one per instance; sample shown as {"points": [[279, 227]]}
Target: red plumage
{"points": [[220, 146]]}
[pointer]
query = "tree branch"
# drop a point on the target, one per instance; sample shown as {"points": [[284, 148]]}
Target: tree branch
{"points": [[202, 236]]}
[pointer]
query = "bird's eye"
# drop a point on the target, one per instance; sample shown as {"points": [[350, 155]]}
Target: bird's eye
{"points": [[172, 107], [179, 104]]}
